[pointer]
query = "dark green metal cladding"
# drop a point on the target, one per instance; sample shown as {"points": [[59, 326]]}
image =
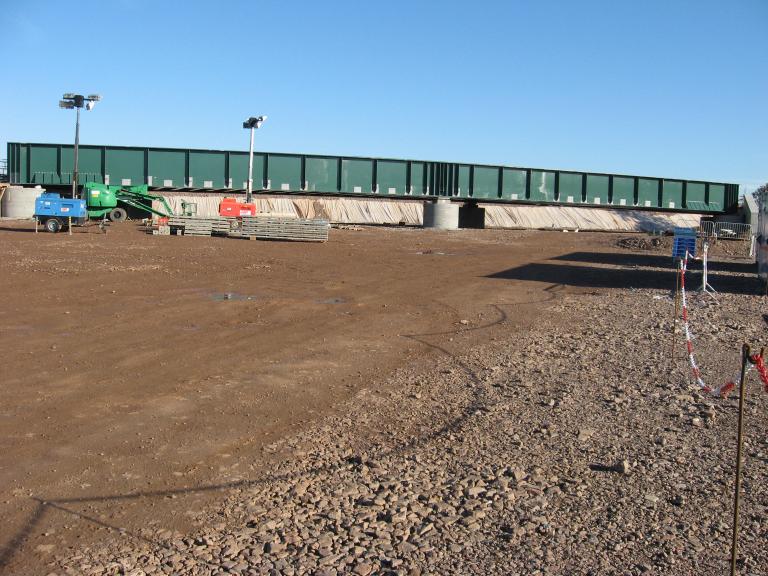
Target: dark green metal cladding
{"points": [[671, 194], [461, 184], [598, 189], [418, 184], [44, 166], [542, 186], [514, 184], [648, 192], [623, 191], [207, 169], [167, 168], [570, 188], [284, 173], [696, 196], [392, 177], [718, 194], [237, 178], [356, 176], [321, 174], [124, 166], [89, 165], [182, 169], [485, 183]]}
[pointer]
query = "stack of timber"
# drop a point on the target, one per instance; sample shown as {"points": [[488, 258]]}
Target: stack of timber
{"points": [[265, 227], [200, 226]]}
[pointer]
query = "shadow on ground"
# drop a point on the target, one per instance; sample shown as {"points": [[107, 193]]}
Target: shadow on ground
{"points": [[654, 261], [637, 271]]}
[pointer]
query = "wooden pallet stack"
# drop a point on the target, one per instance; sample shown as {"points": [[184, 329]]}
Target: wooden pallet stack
{"points": [[200, 226], [266, 227]]}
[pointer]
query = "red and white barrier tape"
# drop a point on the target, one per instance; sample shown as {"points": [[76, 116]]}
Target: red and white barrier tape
{"points": [[720, 390], [688, 339], [759, 362], [730, 386]]}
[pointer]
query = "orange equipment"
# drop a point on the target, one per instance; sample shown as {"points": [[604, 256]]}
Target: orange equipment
{"points": [[232, 208]]}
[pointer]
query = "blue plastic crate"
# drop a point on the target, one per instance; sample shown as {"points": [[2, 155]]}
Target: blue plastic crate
{"points": [[684, 241]]}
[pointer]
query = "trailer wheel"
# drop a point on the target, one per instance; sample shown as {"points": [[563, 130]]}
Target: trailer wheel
{"points": [[118, 215], [53, 225]]}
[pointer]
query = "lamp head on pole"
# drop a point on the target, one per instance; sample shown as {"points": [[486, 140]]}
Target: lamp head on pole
{"points": [[254, 122], [71, 100]]}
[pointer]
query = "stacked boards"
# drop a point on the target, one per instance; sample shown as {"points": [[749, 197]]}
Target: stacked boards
{"points": [[262, 227], [201, 226], [267, 227]]}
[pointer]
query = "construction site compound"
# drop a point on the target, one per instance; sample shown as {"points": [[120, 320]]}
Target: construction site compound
{"points": [[378, 385]]}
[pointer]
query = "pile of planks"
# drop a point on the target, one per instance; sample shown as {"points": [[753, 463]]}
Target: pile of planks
{"points": [[200, 226], [266, 227]]}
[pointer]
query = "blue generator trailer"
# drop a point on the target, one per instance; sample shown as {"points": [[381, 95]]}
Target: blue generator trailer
{"points": [[54, 212]]}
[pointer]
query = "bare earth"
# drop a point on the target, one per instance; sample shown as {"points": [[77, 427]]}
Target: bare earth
{"points": [[394, 401]]}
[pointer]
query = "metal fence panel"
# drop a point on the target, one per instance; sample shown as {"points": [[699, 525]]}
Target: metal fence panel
{"points": [[725, 230], [733, 231], [707, 229]]}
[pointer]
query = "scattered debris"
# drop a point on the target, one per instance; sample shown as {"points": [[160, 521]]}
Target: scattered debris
{"points": [[640, 242]]}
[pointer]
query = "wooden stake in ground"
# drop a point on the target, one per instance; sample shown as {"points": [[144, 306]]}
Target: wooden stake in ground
{"points": [[739, 444]]}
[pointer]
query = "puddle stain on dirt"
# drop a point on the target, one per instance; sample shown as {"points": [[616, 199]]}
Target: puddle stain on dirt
{"points": [[332, 301], [224, 296]]}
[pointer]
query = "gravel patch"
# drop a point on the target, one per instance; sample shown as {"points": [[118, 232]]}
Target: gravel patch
{"points": [[581, 452]]}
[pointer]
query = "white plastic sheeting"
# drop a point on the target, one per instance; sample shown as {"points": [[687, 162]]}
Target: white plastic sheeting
{"points": [[336, 210], [410, 212], [572, 217]]}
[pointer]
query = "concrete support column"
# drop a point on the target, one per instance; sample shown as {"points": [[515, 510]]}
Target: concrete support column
{"points": [[441, 214]]}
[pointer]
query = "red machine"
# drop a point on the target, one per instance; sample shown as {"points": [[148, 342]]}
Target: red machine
{"points": [[232, 208]]}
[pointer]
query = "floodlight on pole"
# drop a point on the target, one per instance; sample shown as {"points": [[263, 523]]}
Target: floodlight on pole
{"points": [[77, 101], [251, 124]]}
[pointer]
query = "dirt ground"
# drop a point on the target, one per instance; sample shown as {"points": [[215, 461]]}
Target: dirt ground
{"points": [[142, 375], [141, 364]]}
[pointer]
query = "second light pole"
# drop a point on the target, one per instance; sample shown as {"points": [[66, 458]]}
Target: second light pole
{"points": [[253, 123], [77, 101]]}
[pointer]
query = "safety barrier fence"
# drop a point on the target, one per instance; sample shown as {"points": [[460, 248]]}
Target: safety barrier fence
{"points": [[725, 230], [756, 360]]}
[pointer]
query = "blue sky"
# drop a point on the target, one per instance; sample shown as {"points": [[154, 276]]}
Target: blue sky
{"points": [[664, 88]]}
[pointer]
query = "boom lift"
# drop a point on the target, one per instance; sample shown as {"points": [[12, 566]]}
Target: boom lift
{"points": [[102, 200]]}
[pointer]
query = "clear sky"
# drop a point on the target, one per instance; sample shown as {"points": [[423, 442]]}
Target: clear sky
{"points": [[663, 88]]}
